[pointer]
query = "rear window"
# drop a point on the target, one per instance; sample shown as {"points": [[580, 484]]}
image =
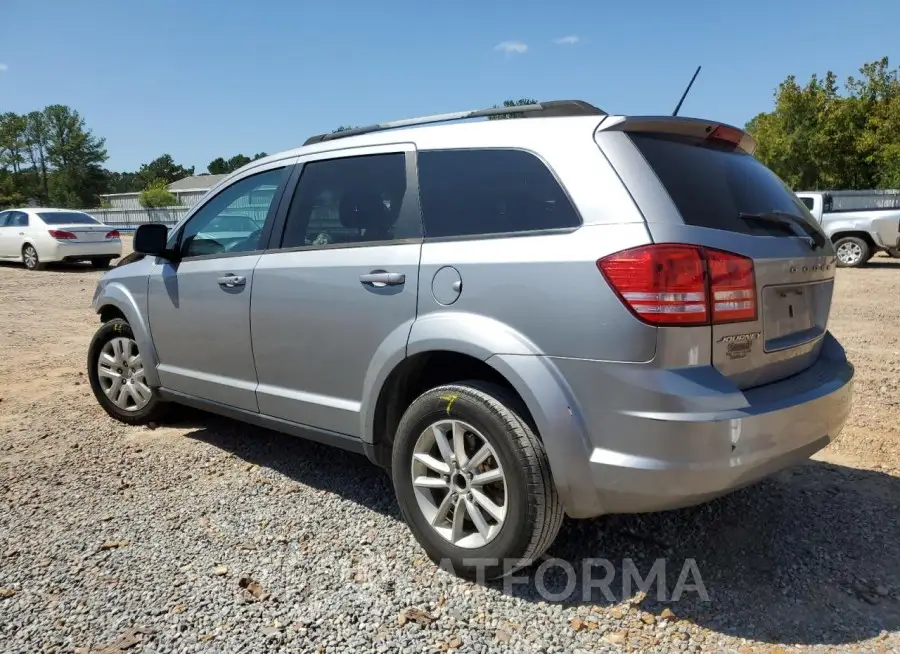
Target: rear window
{"points": [[67, 218], [711, 185], [473, 192]]}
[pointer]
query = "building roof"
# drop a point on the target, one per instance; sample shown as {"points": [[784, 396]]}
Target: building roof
{"points": [[196, 183]]}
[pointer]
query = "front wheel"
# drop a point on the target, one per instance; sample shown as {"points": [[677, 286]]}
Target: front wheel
{"points": [[894, 253], [473, 481], [852, 252], [116, 373]]}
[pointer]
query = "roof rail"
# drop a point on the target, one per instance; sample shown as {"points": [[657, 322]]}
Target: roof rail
{"points": [[541, 110]]}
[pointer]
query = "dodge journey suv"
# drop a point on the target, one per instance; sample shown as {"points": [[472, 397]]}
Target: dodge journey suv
{"points": [[565, 313]]}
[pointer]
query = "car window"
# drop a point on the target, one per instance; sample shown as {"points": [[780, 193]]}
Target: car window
{"points": [[232, 221], [4, 216], [809, 202], [67, 218], [712, 185], [351, 200], [17, 219], [472, 192]]}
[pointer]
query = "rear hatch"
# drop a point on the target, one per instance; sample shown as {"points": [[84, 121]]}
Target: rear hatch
{"points": [[775, 294], [76, 227]]}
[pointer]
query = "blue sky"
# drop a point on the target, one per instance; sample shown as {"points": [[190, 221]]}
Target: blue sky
{"points": [[206, 78]]}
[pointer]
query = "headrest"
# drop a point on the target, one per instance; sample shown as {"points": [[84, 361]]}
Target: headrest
{"points": [[363, 208]]}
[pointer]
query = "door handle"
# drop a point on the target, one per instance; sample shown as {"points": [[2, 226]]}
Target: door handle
{"points": [[383, 279], [230, 281]]}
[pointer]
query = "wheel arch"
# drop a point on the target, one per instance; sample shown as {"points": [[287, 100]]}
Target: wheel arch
{"points": [[116, 301]]}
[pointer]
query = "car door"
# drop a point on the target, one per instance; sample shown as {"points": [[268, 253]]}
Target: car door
{"points": [[199, 303], [6, 232], [338, 287]]}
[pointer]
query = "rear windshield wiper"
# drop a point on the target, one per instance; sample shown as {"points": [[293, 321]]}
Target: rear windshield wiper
{"points": [[785, 218]]}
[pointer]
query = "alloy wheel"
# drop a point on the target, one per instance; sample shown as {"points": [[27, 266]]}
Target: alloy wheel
{"points": [[121, 374], [459, 483]]}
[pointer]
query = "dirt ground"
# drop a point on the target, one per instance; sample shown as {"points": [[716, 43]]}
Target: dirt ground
{"points": [[47, 412]]}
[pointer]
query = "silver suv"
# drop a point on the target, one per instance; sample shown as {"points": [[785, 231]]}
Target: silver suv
{"points": [[571, 312]]}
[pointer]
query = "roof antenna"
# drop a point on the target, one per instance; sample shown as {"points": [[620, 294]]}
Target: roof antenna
{"points": [[690, 84]]}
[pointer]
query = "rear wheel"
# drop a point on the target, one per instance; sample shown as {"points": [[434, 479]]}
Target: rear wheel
{"points": [[473, 481], [101, 263], [116, 373], [852, 252], [30, 258]]}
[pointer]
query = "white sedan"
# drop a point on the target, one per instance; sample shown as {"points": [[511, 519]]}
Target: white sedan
{"points": [[39, 236]]}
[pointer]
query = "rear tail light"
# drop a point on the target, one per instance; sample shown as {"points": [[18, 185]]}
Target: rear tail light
{"points": [[62, 235], [673, 284], [113, 234]]}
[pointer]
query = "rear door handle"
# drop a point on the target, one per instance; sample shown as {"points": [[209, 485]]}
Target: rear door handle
{"points": [[230, 281], [383, 279]]}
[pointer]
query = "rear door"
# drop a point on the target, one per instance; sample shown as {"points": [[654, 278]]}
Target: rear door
{"points": [[8, 236], [337, 290], [699, 189]]}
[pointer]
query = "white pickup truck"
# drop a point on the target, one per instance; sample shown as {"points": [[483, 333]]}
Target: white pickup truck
{"points": [[859, 223]]}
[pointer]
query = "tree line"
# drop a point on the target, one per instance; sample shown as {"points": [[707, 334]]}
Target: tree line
{"points": [[819, 135], [52, 158]]}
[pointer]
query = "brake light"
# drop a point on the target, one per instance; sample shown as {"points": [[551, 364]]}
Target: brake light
{"points": [[113, 234], [62, 235], [674, 284], [727, 134]]}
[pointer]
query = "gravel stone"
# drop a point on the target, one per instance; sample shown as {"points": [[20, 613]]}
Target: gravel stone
{"points": [[206, 535]]}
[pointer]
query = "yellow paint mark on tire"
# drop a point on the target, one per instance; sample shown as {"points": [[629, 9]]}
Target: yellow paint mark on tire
{"points": [[449, 399]]}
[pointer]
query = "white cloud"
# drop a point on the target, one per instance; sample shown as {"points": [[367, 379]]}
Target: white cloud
{"points": [[3, 68], [567, 40], [511, 47]]}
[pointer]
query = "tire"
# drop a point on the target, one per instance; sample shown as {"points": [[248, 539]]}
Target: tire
{"points": [[30, 258], [856, 252], [894, 253], [101, 263], [533, 512], [154, 409]]}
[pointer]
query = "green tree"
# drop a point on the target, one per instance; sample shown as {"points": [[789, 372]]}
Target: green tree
{"points": [[75, 155], [818, 137], [162, 168], [37, 144], [157, 195], [221, 166], [512, 103]]}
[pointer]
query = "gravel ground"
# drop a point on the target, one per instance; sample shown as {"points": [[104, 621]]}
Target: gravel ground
{"points": [[207, 535]]}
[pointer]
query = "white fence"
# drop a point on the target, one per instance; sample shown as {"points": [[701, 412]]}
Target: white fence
{"points": [[130, 219]]}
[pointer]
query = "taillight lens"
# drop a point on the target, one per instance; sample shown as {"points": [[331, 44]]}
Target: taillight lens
{"points": [[62, 235], [113, 234], [732, 287], [674, 284]]}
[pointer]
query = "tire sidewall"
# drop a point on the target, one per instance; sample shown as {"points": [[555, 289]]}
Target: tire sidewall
{"points": [[117, 328], [515, 534]]}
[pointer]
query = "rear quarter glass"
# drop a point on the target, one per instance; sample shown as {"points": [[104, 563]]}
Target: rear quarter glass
{"points": [[711, 184]]}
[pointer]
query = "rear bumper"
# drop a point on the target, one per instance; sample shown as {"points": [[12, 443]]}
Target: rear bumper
{"points": [[664, 439], [62, 251]]}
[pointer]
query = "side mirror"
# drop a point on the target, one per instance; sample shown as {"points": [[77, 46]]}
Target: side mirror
{"points": [[151, 239]]}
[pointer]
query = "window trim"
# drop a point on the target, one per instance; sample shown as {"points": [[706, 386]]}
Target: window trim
{"points": [[286, 166], [509, 234], [411, 196]]}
